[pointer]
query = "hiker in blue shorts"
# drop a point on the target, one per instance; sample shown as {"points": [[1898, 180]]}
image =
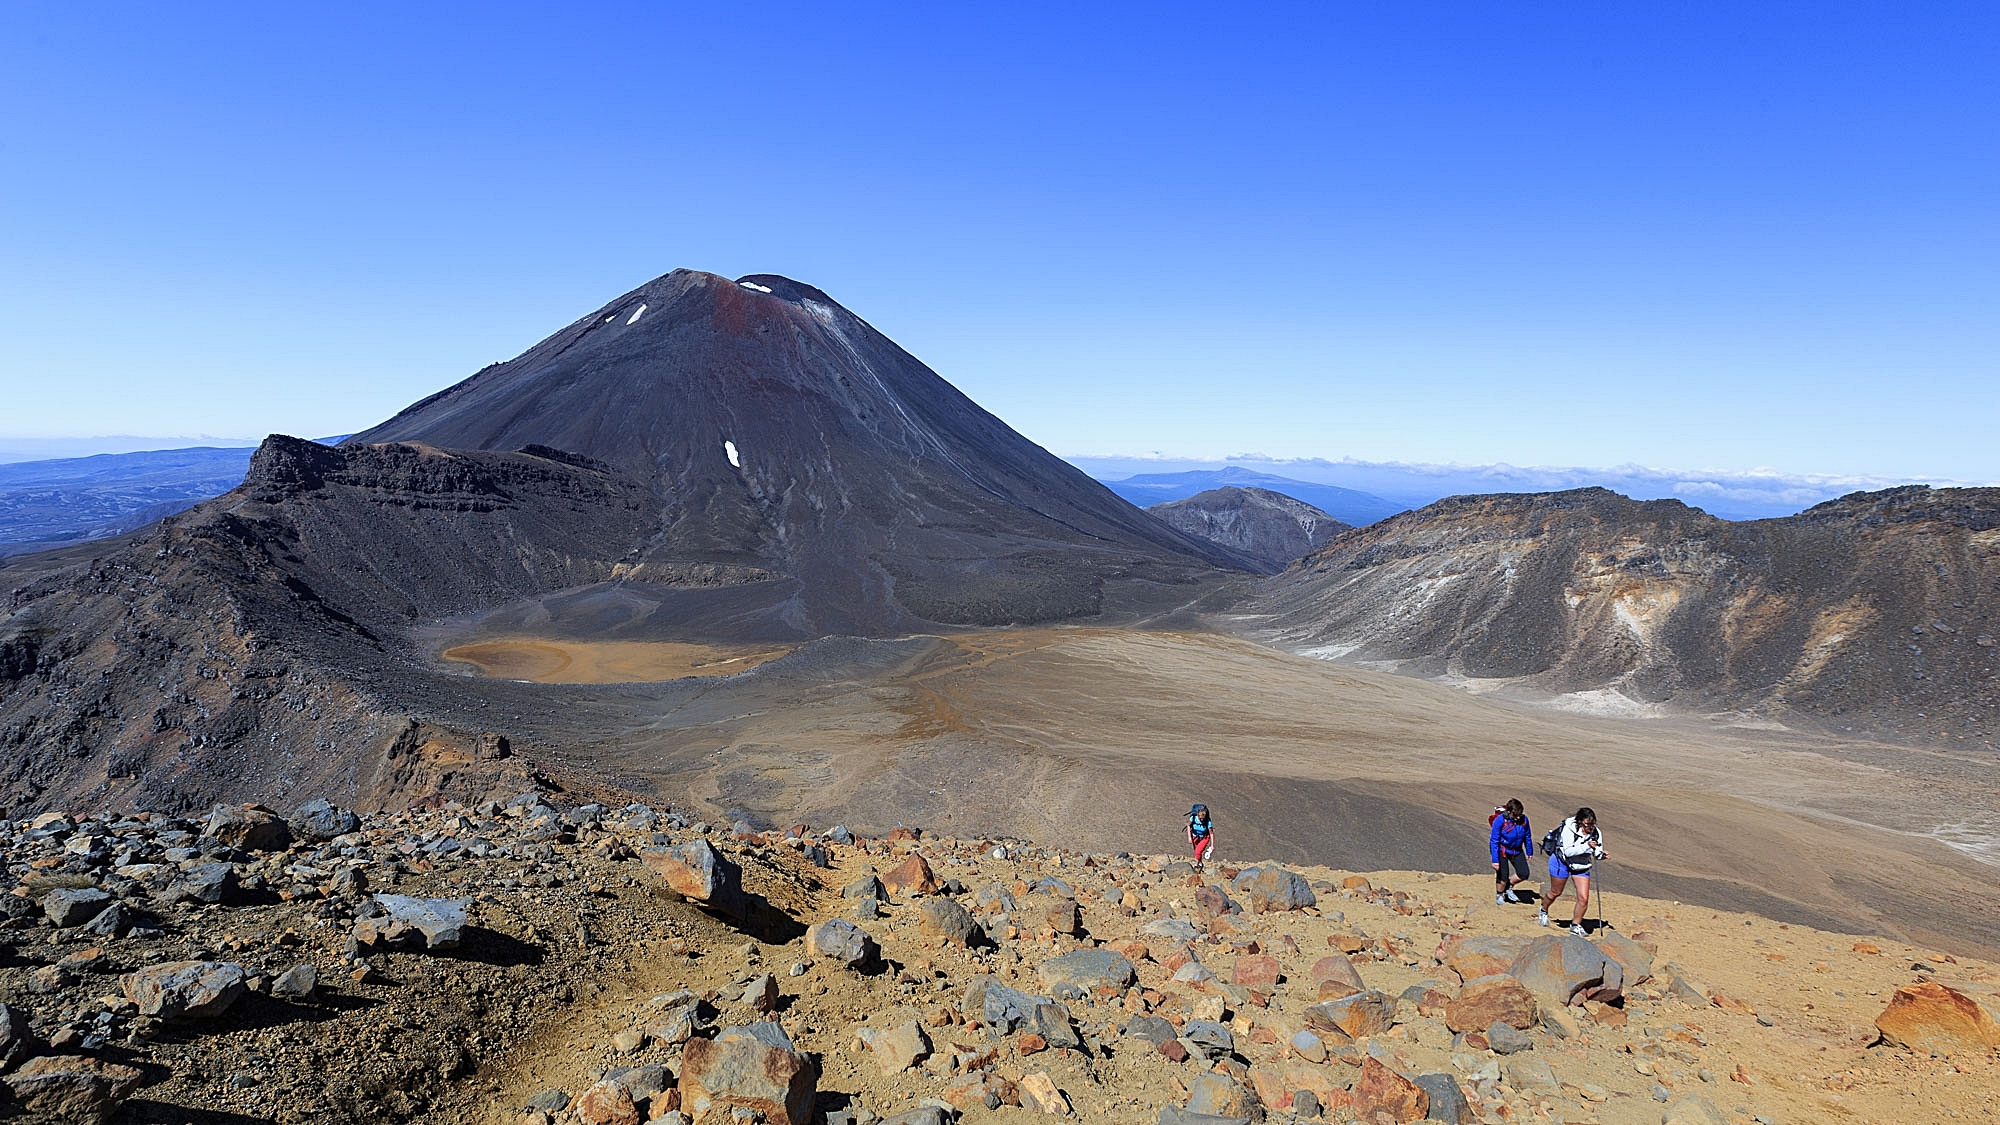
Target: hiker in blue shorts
{"points": [[1572, 849], [1510, 845]]}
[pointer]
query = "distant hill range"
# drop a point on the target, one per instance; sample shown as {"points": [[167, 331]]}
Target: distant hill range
{"points": [[47, 504], [1350, 507], [1268, 527], [1878, 611], [53, 503], [1753, 495]]}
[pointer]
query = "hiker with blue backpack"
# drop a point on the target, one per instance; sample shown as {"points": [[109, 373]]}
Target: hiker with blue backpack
{"points": [[1201, 834], [1573, 849], [1510, 844]]}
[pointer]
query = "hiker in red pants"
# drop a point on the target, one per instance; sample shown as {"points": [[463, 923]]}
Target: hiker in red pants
{"points": [[1201, 834]]}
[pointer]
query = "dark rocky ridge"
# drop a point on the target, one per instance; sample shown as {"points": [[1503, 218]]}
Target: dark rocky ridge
{"points": [[1878, 611], [266, 640], [1269, 528]]}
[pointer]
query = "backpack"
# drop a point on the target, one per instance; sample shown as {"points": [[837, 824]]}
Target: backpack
{"points": [[1553, 841], [1498, 812]]}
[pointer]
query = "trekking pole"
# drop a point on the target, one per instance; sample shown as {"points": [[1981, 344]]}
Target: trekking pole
{"points": [[1597, 893]]}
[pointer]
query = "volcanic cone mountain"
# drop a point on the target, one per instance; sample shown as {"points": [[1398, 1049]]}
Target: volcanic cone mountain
{"points": [[702, 460], [780, 431]]}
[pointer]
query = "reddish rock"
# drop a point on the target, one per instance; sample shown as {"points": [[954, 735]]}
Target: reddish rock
{"points": [[1364, 1013], [1357, 883], [1382, 1090], [1213, 902], [72, 1087], [607, 1103], [1477, 957], [1257, 972], [1934, 1018], [900, 834], [754, 1068], [1485, 1001], [1031, 1044], [700, 874], [252, 828], [1336, 967], [911, 877], [1272, 1088]]}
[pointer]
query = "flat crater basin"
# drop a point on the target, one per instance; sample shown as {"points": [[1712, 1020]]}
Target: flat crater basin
{"points": [[548, 661]]}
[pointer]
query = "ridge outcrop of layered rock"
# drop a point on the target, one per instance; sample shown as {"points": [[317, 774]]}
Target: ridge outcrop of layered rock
{"points": [[1876, 612]]}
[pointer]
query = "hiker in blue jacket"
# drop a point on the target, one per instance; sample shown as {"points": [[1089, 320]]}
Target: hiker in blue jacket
{"points": [[1511, 843]]}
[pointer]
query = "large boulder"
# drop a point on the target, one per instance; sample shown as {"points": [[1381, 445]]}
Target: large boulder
{"points": [[207, 883], [1563, 967], [73, 906], [1937, 1019], [17, 1037], [1485, 1001], [1367, 1012], [754, 1068], [840, 940], [942, 917], [1273, 888], [697, 872], [440, 920], [185, 988], [320, 820], [1381, 1090], [1334, 975], [1483, 956], [72, 1088], [1630, 955], [896, 1049], [1080, 972], [1003, 1011], [252, 828]]}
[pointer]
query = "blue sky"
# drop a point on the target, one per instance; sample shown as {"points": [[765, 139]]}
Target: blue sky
{"points": [[1672, 235]]}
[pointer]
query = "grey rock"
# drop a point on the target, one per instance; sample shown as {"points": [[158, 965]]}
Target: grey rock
{"points": [[1531, 1075], [17, 1038], [1273, 888], [296, 983], [1447, 1100], [115, 920], [1507, 1041], [1152, 1029], [868, 886], [73, 906], [1174, 1115], [209, 883], [185, 988], [549, 1101], [1692, 1110], [440, 920], [320, 820], [841, 941], [1214, 1039], [942, 917], [1078, 972]]}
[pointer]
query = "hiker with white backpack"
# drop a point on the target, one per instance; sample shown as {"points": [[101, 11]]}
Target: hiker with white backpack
{"points": [[1573, 849]]}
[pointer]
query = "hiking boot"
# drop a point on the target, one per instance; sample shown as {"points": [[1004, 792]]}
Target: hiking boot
{"points": [[1542, 916], [1502, 899], [1577, 929]]}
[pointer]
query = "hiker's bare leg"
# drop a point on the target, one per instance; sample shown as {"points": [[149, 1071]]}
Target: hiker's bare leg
{"points": [[1582, 897], [1554, 892]]}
